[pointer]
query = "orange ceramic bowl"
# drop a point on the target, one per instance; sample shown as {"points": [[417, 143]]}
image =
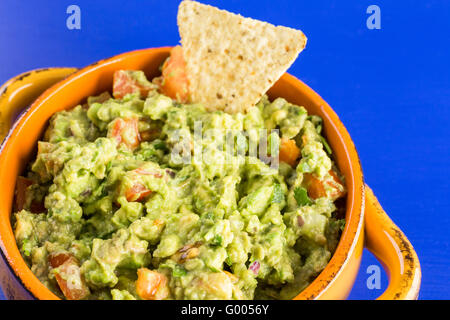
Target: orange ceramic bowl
{"points": [[366, 222]]}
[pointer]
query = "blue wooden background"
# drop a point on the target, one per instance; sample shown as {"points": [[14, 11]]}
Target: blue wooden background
{"points": [[391, 88]]}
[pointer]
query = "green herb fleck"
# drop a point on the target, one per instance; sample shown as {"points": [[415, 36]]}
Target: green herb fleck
{"points": [[183, 178], [208, 216], [326, 145], [214, 269], [217, 240], [179, 271], [160, 145], [341, 223], [27, 247], [301, 196]]}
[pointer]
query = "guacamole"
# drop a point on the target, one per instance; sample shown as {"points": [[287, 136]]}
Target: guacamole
{"points": [[115, 205]]}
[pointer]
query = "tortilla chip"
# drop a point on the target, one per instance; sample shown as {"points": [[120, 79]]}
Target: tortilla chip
{"points": [[232, 61]]}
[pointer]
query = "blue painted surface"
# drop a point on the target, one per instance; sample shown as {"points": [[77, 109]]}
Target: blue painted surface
{"points": [[390, 87]]}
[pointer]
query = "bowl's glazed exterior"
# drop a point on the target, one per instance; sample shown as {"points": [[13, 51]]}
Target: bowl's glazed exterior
{"points": [[336, 280]]}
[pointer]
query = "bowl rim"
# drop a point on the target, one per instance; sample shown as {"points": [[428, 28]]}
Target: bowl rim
{"points": [[355, 196], [355, 200]]}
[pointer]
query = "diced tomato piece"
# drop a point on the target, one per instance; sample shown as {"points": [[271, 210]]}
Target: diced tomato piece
{"points": [[289, 152], [21, 191], [137, 193], [21, 196], [57, 259], [124, 83], [151, 285], [316, 187], [68, 276], [175, 83], [336, 184], [126, 131]]}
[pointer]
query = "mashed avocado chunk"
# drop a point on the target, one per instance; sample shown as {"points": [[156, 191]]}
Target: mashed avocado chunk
{"points": [[116, 205]]}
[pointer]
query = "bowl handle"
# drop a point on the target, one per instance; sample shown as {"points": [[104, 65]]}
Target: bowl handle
{"points": [[19, 92], [391, 247]]}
